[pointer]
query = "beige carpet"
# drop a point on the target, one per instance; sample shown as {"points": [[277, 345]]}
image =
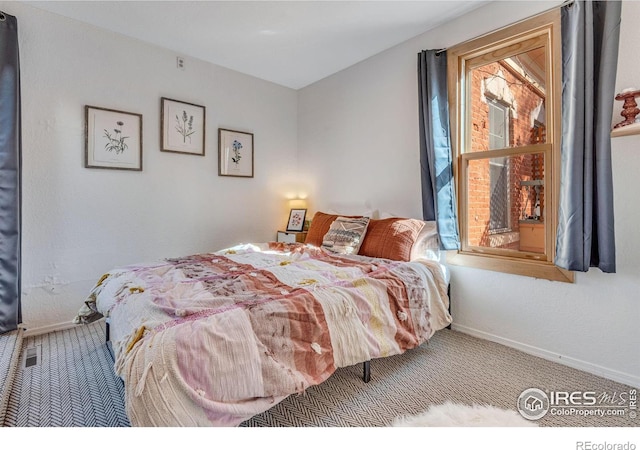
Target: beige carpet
{"points": [[453, 367]]}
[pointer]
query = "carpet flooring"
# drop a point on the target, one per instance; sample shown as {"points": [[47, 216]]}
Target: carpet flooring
{"points": [[10, 347], [73, 384]]}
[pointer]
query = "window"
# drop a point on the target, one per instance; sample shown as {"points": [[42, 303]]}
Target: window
{"points": [[499, 205], [505, 115], [498, 125], [498, 169]]}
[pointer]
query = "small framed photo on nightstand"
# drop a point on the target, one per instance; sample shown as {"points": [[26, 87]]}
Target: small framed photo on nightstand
{"points": [[296, 220]]}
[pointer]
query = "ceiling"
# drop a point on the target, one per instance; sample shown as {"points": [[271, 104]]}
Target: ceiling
{"points": [[291, 43]]}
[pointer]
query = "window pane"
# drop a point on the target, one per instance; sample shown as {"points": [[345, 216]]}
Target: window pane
{"points": [[505, 203], [507, 102], [498, 125], [499, 199]]}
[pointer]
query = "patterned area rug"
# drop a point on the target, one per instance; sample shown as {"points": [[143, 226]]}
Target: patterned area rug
{"points": [[73, 384], [10, 345]]}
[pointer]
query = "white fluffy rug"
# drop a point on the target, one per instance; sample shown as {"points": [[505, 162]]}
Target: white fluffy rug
{"points": [[456, 415]]}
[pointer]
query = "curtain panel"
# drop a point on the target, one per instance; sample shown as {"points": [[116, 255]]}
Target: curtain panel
{"points": [[10, 162], [590, 37], [438, 191]]}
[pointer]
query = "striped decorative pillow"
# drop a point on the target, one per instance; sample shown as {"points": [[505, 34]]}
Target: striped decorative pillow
{"points": [[320, 226], [345, 235]]}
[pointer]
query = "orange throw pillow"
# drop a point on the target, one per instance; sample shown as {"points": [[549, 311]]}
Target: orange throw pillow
{"points": [[319, 226], [391, 238]]}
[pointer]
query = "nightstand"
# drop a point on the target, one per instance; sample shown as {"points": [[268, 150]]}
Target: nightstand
{"points": [[292, 236]]}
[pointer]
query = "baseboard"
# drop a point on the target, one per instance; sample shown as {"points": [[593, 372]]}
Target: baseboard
{"points": [[610, 374], [49, 328]]}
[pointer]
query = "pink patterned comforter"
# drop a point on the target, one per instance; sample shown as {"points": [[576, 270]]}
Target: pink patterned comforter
{"points": [[213, 339]]}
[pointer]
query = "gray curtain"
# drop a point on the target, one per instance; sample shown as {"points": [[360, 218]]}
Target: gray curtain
{"points": [[590, 36], [10, 146], [438, 191]]}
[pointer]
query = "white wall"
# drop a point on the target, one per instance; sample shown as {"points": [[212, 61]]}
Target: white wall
{"points": [[358, 143], [78, 223]]}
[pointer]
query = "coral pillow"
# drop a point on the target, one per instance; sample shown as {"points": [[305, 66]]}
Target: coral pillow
{"points": [[320, 226], [391, 238], [345, 235]]}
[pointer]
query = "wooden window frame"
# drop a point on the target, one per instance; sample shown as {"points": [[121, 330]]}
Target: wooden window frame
{"points": [[540, 30]]}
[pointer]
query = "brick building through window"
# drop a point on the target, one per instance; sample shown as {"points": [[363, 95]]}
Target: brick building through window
{"points": [[507, 111]]}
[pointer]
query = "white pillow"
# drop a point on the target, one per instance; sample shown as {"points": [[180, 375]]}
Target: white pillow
{"points": [[427, 243], [387, 215], [345, 210]]}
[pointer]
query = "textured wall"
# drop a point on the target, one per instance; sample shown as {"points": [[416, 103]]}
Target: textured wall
{"points": [[359, 128], [78, 223]]}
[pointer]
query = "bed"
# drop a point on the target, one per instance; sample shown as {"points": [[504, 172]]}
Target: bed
{"points": [[213, 339]]}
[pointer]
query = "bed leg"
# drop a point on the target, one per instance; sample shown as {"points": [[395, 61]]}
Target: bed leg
{"points": [[366, 371], [449, 295], [107, 338]]}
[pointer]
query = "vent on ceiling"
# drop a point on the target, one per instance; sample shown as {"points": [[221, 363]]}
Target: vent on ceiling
{"points": [[32, 356]]}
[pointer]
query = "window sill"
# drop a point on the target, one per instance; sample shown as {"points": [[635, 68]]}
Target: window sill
{"points": [[497, 240], [536, 269]]}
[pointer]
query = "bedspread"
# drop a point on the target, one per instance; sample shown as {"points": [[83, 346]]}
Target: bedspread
{"points": [[213, 339]]}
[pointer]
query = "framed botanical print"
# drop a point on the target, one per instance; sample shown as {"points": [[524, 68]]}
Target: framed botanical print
{"points": [[113, 139], [182, 126], [235, 153]]}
